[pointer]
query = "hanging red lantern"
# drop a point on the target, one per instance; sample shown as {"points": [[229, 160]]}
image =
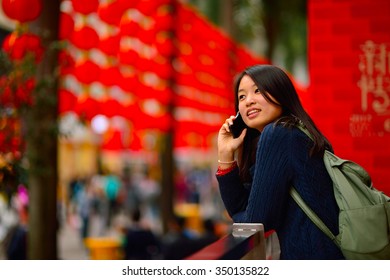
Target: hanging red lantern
{"points": [[162, 67], [147, 7], [87, 72], [22, 10], [148, 36], [129, 56], [23, 93], [67, 101], [126, 4], [110, 76], [164, 22], [66, 26], [113, 141], [6, 96], [164, 45], [110, 45], [85, 6], [111, 108], [17, 90], [18, 47], [85, 38], [111, 12], [128, 26]]}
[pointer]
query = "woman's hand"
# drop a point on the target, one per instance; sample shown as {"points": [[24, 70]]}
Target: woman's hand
{"points": [[227, 145]]}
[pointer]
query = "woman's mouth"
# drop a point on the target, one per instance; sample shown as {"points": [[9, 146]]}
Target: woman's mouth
{"points": [[253, 113]]}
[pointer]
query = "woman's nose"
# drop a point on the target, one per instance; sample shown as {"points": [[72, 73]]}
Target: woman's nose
{"points": [[249, 99]]}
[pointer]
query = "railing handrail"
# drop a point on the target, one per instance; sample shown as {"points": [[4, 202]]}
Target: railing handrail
{"points": [[245, 242]]}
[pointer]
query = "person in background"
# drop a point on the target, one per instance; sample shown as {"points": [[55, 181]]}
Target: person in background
{"points": [[257, 169], [112, 186], [85, 198], [140, 242], [179, 242], [209, 235]]}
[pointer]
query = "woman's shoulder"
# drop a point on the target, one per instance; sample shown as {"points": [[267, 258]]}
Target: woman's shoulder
{"points": [[279, 132], [275, 129]]}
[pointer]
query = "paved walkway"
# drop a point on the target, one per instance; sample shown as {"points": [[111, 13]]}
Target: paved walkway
{"points": [[70, 245]]}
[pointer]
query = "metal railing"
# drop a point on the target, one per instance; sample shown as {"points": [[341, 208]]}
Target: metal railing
{"points": [[245, 242]]}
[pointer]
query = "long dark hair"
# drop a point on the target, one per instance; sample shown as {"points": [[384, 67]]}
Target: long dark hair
{"points": [[273, 81]]}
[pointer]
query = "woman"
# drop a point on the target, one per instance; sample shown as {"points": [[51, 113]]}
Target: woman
{"points": [[273, 155]]}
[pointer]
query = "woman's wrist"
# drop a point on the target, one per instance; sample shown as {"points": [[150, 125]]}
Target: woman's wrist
{"points": [[225, 161], [225, 156], [224, 169]]}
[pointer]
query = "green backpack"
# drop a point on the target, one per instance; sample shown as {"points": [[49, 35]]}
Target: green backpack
{"points": [[364, 217]]}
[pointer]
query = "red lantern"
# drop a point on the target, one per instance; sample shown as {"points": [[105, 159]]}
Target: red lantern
{"points": [[110, 45], [111, 12], [17, 91], [147, 36], [128, 56], [87, 72], [164, 45], [110, 76], [147, 7], [22, 10], [6, 96], [126, 4], [67, 101], [19, 46], [113, 141], [23, 93], [66, 26], [164, 22], [85, 6], [128, 26], [111, 108], [85, 38]]}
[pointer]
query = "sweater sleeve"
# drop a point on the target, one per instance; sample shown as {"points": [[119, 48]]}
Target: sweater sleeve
{"points": [[271, 179], [234, 195]]}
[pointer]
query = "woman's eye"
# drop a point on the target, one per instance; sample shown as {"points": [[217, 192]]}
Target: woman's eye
{"points": [[257, 90], [241, 97]]}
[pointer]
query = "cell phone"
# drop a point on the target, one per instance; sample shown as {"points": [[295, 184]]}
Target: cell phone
{"points": [[238, 126]]}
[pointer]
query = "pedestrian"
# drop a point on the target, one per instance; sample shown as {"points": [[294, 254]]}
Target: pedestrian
{"points": [[257, 169], [112, 187], [140, 242], [85, 206]]}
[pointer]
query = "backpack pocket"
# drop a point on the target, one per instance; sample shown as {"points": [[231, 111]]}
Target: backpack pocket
{"points": [[364, 230]]}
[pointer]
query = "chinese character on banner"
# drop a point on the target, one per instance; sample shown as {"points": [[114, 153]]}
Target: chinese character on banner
{"points": [[374, 84]]}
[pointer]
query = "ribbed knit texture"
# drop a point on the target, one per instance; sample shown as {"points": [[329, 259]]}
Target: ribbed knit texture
{"points": [[282, 160]]}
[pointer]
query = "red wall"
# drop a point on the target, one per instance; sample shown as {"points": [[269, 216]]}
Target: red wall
{"points": [[349, 67]]}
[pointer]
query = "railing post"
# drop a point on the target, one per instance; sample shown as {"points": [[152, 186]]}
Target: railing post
{"points": [[257, 230]]}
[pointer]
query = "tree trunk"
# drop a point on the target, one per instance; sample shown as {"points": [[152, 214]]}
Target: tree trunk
{"points": [[41, 149], [227, 18], [271, 22], [167, 161], [167, 181]]}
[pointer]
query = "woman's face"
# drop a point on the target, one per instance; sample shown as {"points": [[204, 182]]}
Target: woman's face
{"points": [[255, 110]]}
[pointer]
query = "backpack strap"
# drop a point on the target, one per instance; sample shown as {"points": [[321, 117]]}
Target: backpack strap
{"points": [[304, 130], [310, 213]]}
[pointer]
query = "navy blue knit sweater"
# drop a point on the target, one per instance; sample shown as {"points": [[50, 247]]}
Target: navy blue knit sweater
{"points": [[282, 160]]}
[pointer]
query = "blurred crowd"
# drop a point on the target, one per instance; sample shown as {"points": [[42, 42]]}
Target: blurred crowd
{"points": [[126, 207]]}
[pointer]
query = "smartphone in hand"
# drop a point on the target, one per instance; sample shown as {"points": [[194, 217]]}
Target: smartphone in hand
{"points": [[238, 126]]}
